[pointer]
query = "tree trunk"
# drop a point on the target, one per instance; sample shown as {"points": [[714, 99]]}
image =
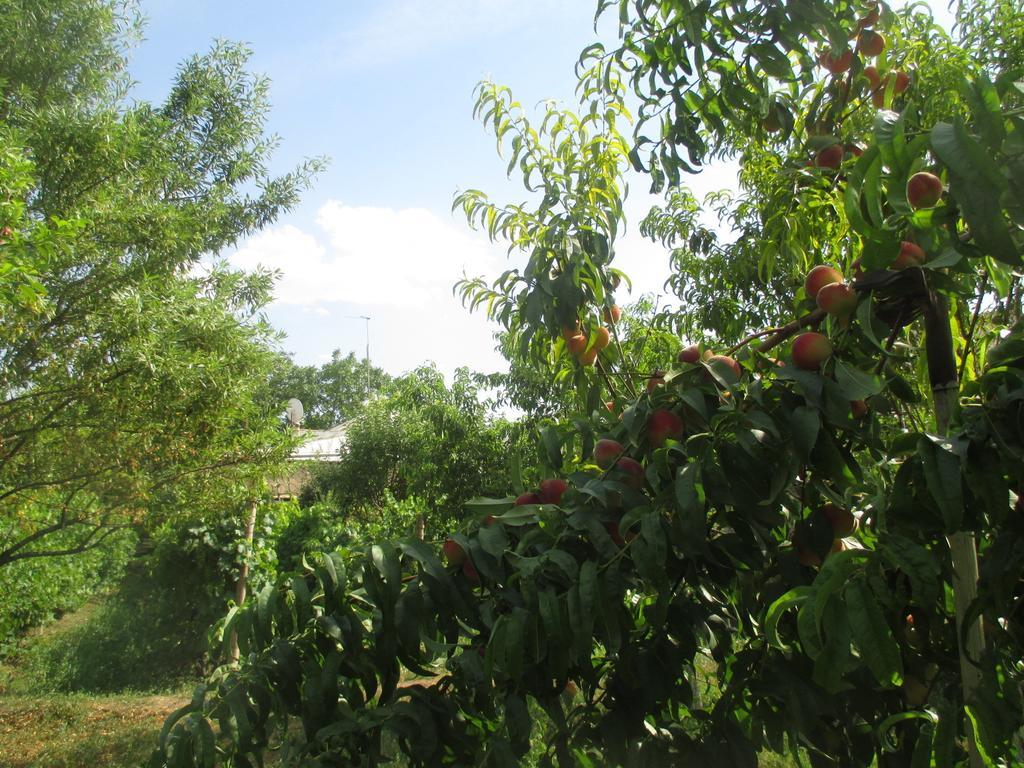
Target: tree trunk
{"points": [[243, 573], [945, 386]]}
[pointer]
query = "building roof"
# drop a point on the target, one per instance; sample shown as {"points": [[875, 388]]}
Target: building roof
{"points": [[320, 444]]}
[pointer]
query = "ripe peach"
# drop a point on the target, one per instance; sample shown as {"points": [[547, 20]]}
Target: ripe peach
{"points": [[810, 350], [551, 490], [690, 354], [838, 299], [527, 498], [770, 123], [568, 333], [662, 425], [602, 338], [819, 277], [859, 409], [588, 357], [871, 73], [606, 451], [471, 573], [923, 190], [870, 18], [829, 157], [843, 520], [910, 255], [576, 344], [809, 557], [836, 64], [633, 470], [902, 81], [655, 381], [613, 531], [612, 314], [724, 362], [453, 552], [870, 43]]}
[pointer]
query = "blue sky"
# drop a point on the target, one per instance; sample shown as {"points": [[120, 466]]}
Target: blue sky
{"points": [[385, 89]]}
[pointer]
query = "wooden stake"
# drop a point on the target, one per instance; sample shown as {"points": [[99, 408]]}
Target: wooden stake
{"points": [[944, 380], [243, 573]]}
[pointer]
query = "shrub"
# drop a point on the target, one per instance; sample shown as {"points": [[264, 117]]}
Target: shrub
{"points": [[36, 590]]}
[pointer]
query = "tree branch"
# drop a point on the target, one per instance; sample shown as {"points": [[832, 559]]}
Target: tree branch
{"points": [[90, 542]]}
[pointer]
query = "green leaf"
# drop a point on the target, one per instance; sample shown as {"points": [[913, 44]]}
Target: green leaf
{"points": [[554, 632], [871, 634], [553, 446], [589, 590], [690, 497], [834, 657], [977, 185], [518, 723], [856, 384], [515, 641], [914, 560], [858, 186], [986, 110], [649, 556], [890, 140], [482, 506], [796, 597], [805, 424], [385, 560], [807, 629], [493, 540], [943, 475]]}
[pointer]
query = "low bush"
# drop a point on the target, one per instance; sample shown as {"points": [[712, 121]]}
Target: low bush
{"points": [[150, 630], [36, 590]]}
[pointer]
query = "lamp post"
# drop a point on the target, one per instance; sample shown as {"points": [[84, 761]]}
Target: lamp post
{"points": [[367, 319]]}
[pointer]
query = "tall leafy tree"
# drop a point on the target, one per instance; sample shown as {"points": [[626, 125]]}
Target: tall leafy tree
{"points": [[128, 369], [420, 440], [330, 393]]}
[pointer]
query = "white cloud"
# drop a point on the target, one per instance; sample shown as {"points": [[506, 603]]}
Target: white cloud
{"points": [[402, 30], [372, 256], [397, 266]]}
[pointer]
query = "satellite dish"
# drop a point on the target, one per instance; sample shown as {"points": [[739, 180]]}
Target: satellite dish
{"points": [[294, 412]]}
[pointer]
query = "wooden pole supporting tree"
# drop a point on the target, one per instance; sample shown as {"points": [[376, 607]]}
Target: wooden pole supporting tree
{"points": [[945, 386], [242, 585]]}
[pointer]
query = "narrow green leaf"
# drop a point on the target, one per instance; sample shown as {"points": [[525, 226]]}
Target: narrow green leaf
{"points": [[856, 384], [943, 475], [805, 424], [871, 634], [794, 598]]}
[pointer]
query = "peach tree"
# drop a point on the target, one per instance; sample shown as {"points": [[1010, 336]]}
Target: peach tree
{"points": [[816, 507]]}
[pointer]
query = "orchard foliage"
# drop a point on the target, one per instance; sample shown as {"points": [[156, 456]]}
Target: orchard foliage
{"points": [[800, 521], [422, 444]]}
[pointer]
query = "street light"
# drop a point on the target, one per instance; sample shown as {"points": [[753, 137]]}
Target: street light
{"points": [[367, 319]]}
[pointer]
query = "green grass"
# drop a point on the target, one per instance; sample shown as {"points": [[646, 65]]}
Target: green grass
{"points": [[141, 637], [93, 687], [72, 730]]}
